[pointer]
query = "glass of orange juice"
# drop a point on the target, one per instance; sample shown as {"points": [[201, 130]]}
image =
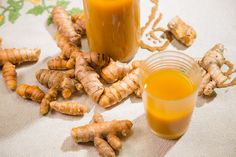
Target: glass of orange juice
{"points": [[170, 81], [113, 27]]}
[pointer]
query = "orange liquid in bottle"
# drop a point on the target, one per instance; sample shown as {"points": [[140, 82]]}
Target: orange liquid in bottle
{"points": [[169, 102], [113, 27]]}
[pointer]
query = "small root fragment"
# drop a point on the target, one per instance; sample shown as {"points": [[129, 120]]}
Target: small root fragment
{"points": [[182, 31], [60, 64], [138, 93], [80, 23], [96, 60], [232, 83], [230, 68], [70, 73], [33, 93], [103, 147], [97, 118], [49, 97], [69, 108], [67, 47], [115, 71], [9, 75]]}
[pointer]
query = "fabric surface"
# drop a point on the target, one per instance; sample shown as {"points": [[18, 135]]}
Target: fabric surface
{"points": [[212, 132]]}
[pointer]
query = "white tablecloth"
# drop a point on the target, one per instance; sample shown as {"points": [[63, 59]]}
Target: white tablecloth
{"points": [[23, 132]]}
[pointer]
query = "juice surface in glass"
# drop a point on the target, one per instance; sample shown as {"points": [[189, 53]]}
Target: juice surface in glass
{"points": [[169, 102], [113, 27]]}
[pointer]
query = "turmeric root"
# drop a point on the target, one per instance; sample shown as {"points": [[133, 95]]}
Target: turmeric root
{"points": [[212, 61], [48, 98], [33, 93], [60, 64], [18, 56], [70, 73], [65, 26], [181, 31], [69, 108], [80, 23], [138, 92], [0, 42], [115, 71], [9, 75], [207, 85], [66, 46], [96, 60], [103, 148], [120, 90], [100, 130], [212, 75], [58, 80], [88, 78]]}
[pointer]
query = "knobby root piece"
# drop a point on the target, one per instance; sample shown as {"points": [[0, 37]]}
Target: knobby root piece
{"points": [[182, 31], [120, 90], [212, 62], [230, 68], [1, 42], [18, 56], [88, 78], [97, 118], [232, 83], [33, 93], [67, 47], [212, 75], [138, 92], [100, 130], [136, 64], [96, 60], [58, 80], [69, 108], [9, 75], [114, 141], [65, 26], [115, 71], [80, 23], [209, 88], [70, 73], [60, 64], [207, 85], [103, 147], [48, 98]]}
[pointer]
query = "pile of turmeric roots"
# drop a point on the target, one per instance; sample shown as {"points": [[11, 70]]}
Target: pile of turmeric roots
{"points": [[105, 81]]}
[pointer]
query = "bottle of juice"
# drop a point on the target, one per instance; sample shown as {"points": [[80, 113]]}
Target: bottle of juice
{"points": [[113, 27]]}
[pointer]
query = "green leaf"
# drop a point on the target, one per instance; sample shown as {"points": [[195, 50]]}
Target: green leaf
{"points": [[13, 16], [37, 10], [75, 11], [49, 20], [11, 2], [63, 3], [16, 5], [2, 20]]}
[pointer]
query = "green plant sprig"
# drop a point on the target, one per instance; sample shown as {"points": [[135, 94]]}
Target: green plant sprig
{"points": [[13, 10]]}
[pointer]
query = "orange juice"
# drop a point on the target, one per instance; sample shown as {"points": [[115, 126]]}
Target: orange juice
{"points": [[169, 104], [113, 27]]}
